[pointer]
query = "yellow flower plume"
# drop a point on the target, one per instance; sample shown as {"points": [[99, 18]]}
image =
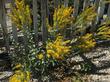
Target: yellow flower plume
{"points": [[21, 14], [20, 76]]}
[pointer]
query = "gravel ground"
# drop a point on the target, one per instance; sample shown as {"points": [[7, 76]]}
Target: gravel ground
{"points": [[100, 58], [4, 76]]}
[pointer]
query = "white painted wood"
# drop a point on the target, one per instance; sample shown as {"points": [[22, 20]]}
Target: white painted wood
{"points": [[86, 4], [76, 8], [66, 3], [43, 18], [100, 10], [35, 20], [3, 24], [108, 12]]}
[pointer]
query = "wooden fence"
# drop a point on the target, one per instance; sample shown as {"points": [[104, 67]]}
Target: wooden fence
{"points": [[102, 10]]}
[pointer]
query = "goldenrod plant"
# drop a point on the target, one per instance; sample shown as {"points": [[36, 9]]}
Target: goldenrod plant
{"points": [[57, 49], [84, 43], [104, 33], [20, 76], [61, 18], [84, 20], [38, 60], [21, 14], [22, 54]]}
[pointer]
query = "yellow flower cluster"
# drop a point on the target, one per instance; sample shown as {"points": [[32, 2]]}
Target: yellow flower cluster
{"points": [[40, 56], [61, 17], [57, 49], [21, 14], [85, 19], [17, 66], [104, 32], [89, 14], [20, 76], [86, 42]]}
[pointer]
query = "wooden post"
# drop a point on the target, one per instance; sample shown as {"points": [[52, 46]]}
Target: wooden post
{"points": [[3, 24], [47, 9], [35, 20], [14, 32], [94, 23], [56, 3], [44, 32], [14, 29], [86, 4], [43, 18], [100, 11], [108, 12], [76, 8], [25, 39], [0, 12], [66, 3], [96, 3]]}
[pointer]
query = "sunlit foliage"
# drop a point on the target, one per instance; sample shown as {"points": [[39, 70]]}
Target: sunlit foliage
{"points": [[20, 76], [85, 43], [61, 18], [21, 14], [104, 32], [57, 49], [84, 20]]}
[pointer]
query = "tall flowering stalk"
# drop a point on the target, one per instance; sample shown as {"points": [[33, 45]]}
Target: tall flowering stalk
{"points": [[21, 14], [22, 54], [61, 18]]}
